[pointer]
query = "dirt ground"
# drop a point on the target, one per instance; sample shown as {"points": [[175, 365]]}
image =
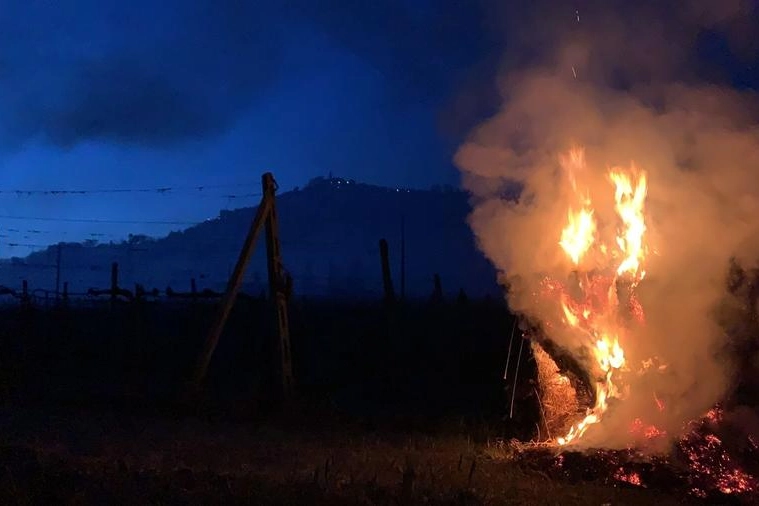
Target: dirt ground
{"points": [[78, 457]]}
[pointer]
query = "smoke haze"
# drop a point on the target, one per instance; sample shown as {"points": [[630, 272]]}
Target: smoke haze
{"points": [[640, 96]]}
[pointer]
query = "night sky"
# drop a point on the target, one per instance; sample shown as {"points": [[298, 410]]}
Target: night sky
{"points": [[181, 94]]}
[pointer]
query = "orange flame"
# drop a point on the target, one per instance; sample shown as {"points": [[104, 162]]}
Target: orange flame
{"points": [[629, 206], [578, 236], [597, 320]]}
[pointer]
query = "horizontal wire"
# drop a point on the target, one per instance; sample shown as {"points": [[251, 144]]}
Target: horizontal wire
{"points": [[95, 220], [160, 190]]}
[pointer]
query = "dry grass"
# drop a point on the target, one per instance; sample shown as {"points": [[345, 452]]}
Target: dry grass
{"points": [[88, 460], [558, 398]]}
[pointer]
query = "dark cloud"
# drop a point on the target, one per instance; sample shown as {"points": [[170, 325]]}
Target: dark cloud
{"points": [[141, 74], [155, 74], [118, 100], [421, 46]]}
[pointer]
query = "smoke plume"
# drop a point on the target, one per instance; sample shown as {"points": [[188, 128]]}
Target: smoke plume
{"points": [[625, 81]]}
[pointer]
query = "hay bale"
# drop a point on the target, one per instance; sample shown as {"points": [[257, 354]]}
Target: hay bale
{"points": [[560, 404]]}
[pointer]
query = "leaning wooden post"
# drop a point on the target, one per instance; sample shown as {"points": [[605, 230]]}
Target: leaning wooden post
{"points": [[233, 286], [387, 279], [277, 287]]}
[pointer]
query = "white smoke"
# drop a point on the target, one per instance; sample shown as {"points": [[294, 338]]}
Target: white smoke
{"points": [[699, 145]]}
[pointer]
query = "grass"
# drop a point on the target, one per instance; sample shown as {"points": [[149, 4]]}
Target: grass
{"points": [[87, 458], [392, 382]]}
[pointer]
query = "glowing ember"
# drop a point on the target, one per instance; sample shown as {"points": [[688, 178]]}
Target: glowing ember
{"points": [[632, 478], [714, 415], [701, 466], [596, 314], [659, 402], [710, 462], [647, 431]]}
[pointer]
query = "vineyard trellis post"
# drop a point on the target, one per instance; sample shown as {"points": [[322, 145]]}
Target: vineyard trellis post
{"points": [[114, 291], [265, 218], [277, 287], [387, 278]]}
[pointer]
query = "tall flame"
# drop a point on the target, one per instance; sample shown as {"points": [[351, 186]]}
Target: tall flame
{"points": [[629, 206], [578, 236], [599, 321]]}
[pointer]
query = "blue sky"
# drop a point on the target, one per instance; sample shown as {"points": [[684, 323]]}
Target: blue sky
{"points": [[100, 94]]}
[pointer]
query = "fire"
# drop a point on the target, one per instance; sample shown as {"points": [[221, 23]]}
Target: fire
{"points": [[647, 431], [710, 463], [578, 237], [632, 478], [629, 206], [596, 316]]}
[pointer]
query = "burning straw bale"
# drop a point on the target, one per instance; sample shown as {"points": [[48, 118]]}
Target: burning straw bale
{"points": [[563, 390], [558, 398]]}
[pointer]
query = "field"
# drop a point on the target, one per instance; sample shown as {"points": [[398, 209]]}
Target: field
{"points": [[394, 406], [76, 458]]}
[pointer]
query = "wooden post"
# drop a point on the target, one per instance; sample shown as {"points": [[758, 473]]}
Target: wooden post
{"points": [[114, 282], [437, 293], [233, 286], [387, 279], [58, 272], [277, 288], [193, 291], [25, 292], [403, 257]]}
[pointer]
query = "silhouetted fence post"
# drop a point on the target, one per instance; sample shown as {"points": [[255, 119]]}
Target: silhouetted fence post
{"points": [[265, 217], [25, 301], [387, 279], [437, 292], [403, 257], [58, 272], [137, 348], [278, 287], [114, 283]]}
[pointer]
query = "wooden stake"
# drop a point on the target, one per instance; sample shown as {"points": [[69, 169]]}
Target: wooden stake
{"points": [[25, 292], [403, 257], [233, 286], [58, 272], [114, 282], [516, 375], [508, 357], [387, 279], [437, 290], [277, 287]]}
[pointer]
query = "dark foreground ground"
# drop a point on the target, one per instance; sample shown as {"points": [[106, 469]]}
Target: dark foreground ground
{"points": [[397, 405], [78, 457]]}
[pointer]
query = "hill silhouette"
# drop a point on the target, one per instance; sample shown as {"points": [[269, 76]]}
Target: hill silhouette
{"points": [[329, 232]]}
